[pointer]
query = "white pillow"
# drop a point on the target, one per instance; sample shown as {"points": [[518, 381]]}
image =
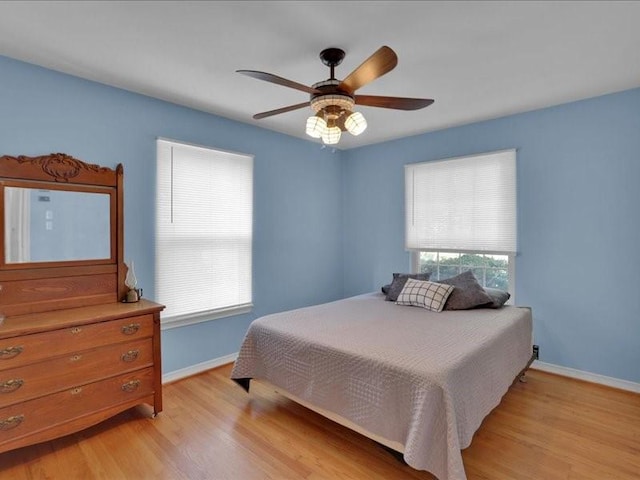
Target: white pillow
{"points": [[429, 295]]}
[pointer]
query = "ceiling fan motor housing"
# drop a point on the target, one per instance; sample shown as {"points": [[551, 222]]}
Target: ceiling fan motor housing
{"points": [[331, 97]]}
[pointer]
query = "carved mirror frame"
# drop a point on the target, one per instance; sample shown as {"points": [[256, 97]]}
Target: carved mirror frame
{"points": [[42, 286]]}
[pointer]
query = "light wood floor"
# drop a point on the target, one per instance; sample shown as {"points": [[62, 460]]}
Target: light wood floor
{"points": [[547, 429]]}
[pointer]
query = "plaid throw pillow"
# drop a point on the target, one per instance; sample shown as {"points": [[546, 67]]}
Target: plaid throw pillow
{"points": [[429, 295]]}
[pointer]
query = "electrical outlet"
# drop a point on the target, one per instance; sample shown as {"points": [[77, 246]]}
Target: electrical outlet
{"points": [[536, 352]]}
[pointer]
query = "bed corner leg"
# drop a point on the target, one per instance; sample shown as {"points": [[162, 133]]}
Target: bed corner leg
{"points": [[243, 382], [521, 376]]}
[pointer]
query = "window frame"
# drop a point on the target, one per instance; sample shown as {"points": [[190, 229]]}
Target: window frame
{"points": [[194, 317], [504, 245]]}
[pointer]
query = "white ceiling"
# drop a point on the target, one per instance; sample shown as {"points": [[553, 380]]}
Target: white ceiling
{"points": [[477, 59]]}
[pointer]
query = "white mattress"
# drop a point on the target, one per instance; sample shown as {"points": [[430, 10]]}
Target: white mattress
{"points": [[417, 378]]}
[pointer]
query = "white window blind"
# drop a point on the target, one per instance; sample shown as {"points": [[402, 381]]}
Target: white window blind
{"points": [[203, 232], [462, 204]]}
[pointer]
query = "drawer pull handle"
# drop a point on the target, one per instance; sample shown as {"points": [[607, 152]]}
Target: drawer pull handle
{"points": [[11, 422], [75, 358], [130, 356], [10, 352], [75, 391], [11, 385], [76, 330], [131, 386], [131, 328]]}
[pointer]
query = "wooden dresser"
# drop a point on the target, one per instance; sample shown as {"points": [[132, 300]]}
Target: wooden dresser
{"points": [[72, 352], [65, 370]]}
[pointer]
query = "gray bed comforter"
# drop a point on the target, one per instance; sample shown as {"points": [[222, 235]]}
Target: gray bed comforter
{"points": [[423, 379]]}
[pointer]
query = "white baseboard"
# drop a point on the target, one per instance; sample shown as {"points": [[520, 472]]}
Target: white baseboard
{"points": [[587, 376], [198, 368]]}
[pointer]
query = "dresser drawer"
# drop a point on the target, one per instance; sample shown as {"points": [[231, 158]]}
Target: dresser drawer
{"points": [[78, 368], [18, 351], [35, 415]]}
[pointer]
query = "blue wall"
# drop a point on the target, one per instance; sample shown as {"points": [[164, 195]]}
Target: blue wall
{"points": [[297, 189], [331, 225], [578, 222]]}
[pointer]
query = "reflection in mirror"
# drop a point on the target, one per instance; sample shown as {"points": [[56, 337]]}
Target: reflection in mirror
{"points": [[56, 225]]}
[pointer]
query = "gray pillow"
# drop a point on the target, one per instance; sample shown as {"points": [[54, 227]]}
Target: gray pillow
{"points": [[498, 297], [468, 293], [399, 279]]}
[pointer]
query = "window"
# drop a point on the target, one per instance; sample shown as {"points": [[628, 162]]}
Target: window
{"points": [[461, 215], [204, 217], [492, 271]]}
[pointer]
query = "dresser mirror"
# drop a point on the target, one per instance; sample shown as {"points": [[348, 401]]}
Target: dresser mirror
{"points": [[56, 224], [61, 234]]}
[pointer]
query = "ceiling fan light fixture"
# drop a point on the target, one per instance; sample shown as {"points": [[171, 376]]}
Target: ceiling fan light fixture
{"points": [[355, 123], [316, 126], [331, 135]]}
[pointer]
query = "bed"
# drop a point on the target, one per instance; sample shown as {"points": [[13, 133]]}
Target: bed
{"points": [[416, 381]]}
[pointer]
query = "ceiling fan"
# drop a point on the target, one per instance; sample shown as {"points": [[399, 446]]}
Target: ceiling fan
{"points": [[333, 100]]}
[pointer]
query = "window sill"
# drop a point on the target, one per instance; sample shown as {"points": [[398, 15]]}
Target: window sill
{"points": [[200, 317]]}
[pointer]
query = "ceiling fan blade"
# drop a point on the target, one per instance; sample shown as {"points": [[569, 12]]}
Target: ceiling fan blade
{"points": [[290, 108], [269, 77], [382, 61], [397, 103]]}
